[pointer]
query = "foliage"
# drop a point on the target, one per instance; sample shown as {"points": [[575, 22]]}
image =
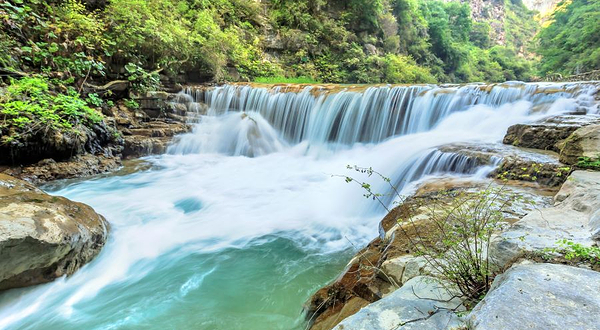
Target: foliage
{"points": [[357, 41], [27, 106], [403, 69], [456, 244], [131, 104], [285, 80], [589, 163], [570, 44], [576, 252]]}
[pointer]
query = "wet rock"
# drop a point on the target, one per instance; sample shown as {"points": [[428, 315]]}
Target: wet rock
{"points": [[76, 167], [515, 163], [540, 296], [43, 237], [151, 138], [422, 303], [584, 142], [572, 218], [546, 134]]}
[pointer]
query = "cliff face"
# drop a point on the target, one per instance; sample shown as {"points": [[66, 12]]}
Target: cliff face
{"points": [[544, 7], [511, 22]]}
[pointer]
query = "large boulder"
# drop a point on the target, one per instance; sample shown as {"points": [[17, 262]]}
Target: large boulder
{"points": [[547, 133], [421, 303], [584, 142], [43, 237], [540, 296]]}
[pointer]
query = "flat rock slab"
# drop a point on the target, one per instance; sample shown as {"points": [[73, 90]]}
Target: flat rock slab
{"points": [[541, 296], [573, 217], [421, 303]]}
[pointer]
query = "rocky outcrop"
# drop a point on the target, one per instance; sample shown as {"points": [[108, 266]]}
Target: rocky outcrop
{"points": [[43, 237], [515, 163], [573, 217], [124, 133], [547, 134], [78, 166], [421, 303], [584, 142], [58, 144], [540, 296], [389, 262], [150, 138]]}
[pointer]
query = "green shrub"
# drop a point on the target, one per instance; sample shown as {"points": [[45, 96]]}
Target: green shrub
{"points": [[456, 245], [285, 80], [589, 163], [28, 106]]}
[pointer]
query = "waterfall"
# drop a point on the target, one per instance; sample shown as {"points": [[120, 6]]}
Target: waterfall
{"points": [[344, 115], [246, 215]]}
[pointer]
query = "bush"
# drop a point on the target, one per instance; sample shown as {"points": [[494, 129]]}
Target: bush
{"points": [[456, 244], [28, 106]]}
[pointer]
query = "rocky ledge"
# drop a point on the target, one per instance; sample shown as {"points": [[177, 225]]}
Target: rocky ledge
{"points": [[390, 286], [136, 132], [43, 237]]}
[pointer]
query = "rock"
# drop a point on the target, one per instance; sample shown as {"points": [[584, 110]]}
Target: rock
{"points": [[161, 95], [57, 144], [422, 303], [514, 163], [363, 278], [404, 268], [139, 146], [540, 296], [371, 49], [584, 142], [43, 237], [76, 167], [547, 133], [572, 218]]}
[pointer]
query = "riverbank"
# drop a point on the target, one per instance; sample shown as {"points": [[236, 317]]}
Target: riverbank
{"points": [[390, 285], [144, 128]]}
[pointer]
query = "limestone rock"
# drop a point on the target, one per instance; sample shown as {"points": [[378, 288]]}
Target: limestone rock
{"points": [[547, 133], [572, 218], [514, 163], [43, 237], [422, 303], [76, 167], [540, 296], [584, 142], [405, 268]]}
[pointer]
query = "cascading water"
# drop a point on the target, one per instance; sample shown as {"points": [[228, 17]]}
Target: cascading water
{"points": [[244, 218]]}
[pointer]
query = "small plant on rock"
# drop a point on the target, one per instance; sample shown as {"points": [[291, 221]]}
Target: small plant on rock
{"points": [[456, 243]]}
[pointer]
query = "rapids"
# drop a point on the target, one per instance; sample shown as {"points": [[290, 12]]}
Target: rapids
{"points": [[245, 217]]}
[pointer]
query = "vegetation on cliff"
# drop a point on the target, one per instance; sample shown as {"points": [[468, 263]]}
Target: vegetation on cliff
{"points": [[571, 43], [363, 41]]}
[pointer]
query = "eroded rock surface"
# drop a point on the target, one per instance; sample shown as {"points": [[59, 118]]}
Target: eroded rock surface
{"points": [[573, 217], [43, 237], [78, 166], [584, 142], [546, 134], [421, 303], [540, 296], [386, 265]]}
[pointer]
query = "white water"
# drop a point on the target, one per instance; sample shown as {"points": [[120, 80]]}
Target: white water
{"points": [[243, 220]]}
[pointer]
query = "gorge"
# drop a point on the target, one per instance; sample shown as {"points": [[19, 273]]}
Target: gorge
{"points": [[245, 217]]}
